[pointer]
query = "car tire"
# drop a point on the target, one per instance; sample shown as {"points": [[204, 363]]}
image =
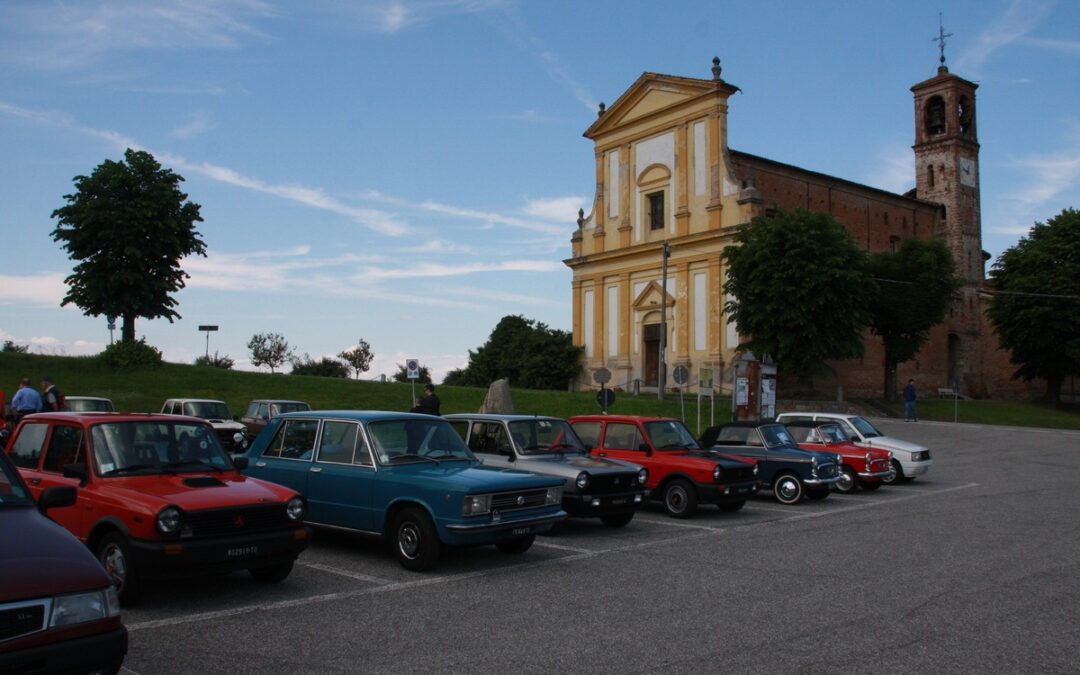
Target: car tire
{"points": [[680, 498], [870, 486], [617, 519], [817, 494], [731, 507], [788, 489], [271, 574], [114, 554], [414, 539], [516, 546], [897, 474], [849, 481]]}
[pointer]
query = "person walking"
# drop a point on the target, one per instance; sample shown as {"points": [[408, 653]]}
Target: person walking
{"points": [[430, 402], [52, 398], [910, 413], [25, 401]]}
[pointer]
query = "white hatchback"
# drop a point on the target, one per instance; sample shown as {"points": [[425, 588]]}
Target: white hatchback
{"points": [[909, 459]]}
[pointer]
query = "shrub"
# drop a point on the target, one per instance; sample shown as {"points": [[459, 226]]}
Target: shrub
{"points": [[223, 362], [325, 367], [131, 355]]}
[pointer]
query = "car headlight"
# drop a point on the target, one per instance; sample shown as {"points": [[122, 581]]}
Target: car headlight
{"points": [[717, 472], [582, 480], [295, 508], [239, 438], [868, 459], [553, 496], [72, 609], [813, 460], [643, 476], [755, 469], [168, 521], [476, 504]]}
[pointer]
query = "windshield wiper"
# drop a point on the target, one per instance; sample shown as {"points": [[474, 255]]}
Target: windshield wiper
{"points": [[397, 457], [192, 462], [130, 468], [563, 447]]}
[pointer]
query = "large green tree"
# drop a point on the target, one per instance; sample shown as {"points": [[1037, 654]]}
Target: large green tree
{"points": [[528, 353], [1036, 306], [915, 284], [801, 290], [128, 226]]}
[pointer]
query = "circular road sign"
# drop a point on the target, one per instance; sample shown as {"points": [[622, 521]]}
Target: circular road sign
{"points": [[601, 376], [605, 397], [681, 374]]}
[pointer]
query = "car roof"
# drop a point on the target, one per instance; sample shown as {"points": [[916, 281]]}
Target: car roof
{"points": [[194, 400], [358, 415], [276, 400], [831, 415], [622, 418], [99, 416], [498, 417], [85, 398]]}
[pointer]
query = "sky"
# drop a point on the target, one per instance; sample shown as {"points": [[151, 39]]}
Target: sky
{"points": [[408, 172]]}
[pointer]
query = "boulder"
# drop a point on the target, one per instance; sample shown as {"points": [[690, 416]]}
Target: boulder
{"points": [[498, 399]]}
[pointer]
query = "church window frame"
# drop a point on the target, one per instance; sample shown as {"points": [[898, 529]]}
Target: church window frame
{"points": [[655, 213], [936, 123]]}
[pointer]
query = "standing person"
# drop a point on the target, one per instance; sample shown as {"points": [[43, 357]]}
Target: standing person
{"points": [[25, 401], [430, 402], [910, 413], [52, 397]]}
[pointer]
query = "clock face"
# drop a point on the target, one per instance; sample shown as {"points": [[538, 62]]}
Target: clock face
{"points": [[967, 172]]}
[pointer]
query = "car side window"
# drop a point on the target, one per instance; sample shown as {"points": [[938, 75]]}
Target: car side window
{"points": [[65, 445], [264, 412], [488, 439], [294, 440], [461, 427], [622, 437], [588, 432], [338, 442], [26, 451]]}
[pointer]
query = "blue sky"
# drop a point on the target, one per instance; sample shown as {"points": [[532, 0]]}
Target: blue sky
{"points": [[408, 172]]}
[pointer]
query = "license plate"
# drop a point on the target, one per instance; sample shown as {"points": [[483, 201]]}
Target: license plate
{"points": [[621, 500], [521, 530], [241, 552]]}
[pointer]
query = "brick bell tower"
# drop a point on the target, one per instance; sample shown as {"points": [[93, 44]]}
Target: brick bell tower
{"points": [[947, 172]]}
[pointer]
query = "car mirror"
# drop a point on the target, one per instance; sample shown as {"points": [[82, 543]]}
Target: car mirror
{"points": [[644, 447], [79, 471], [56, 497], [508, 452], [240, 463]]}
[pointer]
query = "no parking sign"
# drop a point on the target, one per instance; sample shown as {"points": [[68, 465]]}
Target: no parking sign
{"points": [[412, 369]]}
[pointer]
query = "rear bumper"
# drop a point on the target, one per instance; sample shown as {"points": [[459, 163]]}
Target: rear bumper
{"points": [[594, 505], [103, 651], [175, 558]]}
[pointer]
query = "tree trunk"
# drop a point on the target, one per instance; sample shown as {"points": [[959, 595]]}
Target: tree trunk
{"points": [[127, 330], [1053, 389], [890, 378]]}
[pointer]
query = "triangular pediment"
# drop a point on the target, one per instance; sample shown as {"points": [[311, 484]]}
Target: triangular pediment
{"points": [[653, 93], [652, 296]]}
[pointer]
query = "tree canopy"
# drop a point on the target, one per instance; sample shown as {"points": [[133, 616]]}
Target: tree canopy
{"points": [[529, 353], [359, 357], [128, 225], [915, 284], [269, 349], [801, 290], [1036, 308], [402, 374]]}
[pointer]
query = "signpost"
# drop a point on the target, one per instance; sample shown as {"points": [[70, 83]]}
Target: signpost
{"points": [[412, 371], [681, 375], [207, 329], [604, 397], [111, 325], [705, 382]]}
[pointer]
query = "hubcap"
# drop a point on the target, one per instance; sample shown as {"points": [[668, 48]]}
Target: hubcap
{"points": [[112, 559], [676, 499], [788, 489], [846, 482], [409, 540]]}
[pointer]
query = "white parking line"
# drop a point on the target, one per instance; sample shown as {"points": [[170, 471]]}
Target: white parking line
{"points": [[561, 547], [675, 523], [346, 573]]}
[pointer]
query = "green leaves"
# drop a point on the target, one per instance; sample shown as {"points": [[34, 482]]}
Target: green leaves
{"points": [[526, 352]]}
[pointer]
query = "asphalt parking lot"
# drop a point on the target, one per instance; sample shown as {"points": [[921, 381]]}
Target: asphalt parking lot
{"points": [[971, 568]]}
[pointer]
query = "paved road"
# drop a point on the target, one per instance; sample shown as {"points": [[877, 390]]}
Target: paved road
{"points": [[972, 568]]}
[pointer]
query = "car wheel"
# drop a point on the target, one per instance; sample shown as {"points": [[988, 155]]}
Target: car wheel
{"points": [[897, 474], [618, 519], [848, 482], [788, 489], [731, 507], [114, 554], [680, 498], [870, 486], [516, 546], [416, 544], [817, 494], [271, 574]]}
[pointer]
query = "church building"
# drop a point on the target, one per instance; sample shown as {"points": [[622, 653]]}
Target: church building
{"points": [[668, 185]]}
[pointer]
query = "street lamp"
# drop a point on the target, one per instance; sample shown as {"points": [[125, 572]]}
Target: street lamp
{"points": [[208, 329]]}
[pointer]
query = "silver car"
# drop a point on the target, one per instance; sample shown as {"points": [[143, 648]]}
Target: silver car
{"points": [[608, 489]]}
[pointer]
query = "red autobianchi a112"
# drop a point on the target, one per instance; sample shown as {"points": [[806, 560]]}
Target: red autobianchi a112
{"points": [[158, 497]]}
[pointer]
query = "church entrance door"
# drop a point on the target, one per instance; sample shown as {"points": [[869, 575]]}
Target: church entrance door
{"points": [[651, 367]]}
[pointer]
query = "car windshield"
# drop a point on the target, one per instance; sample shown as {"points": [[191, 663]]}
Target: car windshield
{"points": [[670, 435], [208, 410], [831, 433], [12, 490], [149, 447], [543, 436], [864, 427], [88, 404], [776, 435], [410, 440], [281, 408]]}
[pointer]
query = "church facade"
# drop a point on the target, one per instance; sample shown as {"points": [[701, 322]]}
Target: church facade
{"points": [[668, 185]]}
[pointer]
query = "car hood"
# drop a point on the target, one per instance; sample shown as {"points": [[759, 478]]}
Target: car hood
{"points": [[226, 424], [41, 558], [460, 476], [846, 449], [895, 444], [194, 491], [574, 464]]}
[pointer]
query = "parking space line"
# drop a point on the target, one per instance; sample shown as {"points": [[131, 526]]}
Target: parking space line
{"points": [[561, 547], [346, 573], [865, 504], [770, 509], [675, 523]]}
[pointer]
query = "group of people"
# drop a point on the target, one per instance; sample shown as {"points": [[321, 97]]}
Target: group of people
{"points": [[27, 400]]}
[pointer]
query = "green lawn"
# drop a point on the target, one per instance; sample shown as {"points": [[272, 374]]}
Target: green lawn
{"points": [[146, 390]]}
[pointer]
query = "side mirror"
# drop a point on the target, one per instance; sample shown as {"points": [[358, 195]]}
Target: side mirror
{"points": [[644, 447], [509, 453], [79, 471], [56, 497], [588, 448], [240, 462]]}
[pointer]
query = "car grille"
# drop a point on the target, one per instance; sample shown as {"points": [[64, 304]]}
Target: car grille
{"points": [[738, 473], [236, 521], [878, 465], [920, 456], [612, 482], [21, 619], [826, 470], [512, 501]]}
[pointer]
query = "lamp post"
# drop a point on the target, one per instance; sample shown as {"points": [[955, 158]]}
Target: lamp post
{"points": [[662, 380], [208, 330]]}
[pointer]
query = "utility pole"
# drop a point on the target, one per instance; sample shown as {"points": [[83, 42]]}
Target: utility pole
{"points": [[662, 380]]}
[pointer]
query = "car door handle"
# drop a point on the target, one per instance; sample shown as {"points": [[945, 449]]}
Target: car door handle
{"points": [[601, 454], [316, 469], [35, 481], [260, 464]]}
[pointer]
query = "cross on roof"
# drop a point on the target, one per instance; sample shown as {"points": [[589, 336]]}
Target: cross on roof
{"points": [[940, 39]]}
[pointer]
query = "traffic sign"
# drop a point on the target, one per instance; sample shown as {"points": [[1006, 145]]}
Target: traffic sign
{"points": [[601, 376], [412, 369], [680, 374], [605, 397]]}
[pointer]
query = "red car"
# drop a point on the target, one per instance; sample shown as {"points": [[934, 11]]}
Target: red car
{"points": [[158, 497], [681, 473], [867, 467]]}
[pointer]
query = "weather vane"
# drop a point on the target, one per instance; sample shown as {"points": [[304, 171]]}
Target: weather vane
{"points": [[940, 39]]}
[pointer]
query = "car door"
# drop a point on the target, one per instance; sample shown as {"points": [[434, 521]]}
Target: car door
{"points": [[287, 459], [26, 451], [490, 443], [341, 480], [622, 440], [65, 445]]}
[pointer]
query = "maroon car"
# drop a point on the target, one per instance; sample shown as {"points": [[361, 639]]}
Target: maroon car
{"points": [[59, 612]]}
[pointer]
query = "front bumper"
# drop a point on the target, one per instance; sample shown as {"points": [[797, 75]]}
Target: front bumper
{"points": [[719, 493], [874, 476], [489, 532], [821, 481], [585, 504], [99, 652], [182, 557], [912, 469]]}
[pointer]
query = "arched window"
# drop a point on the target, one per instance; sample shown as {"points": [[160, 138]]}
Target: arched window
{"points": [[935, 115], [931, 168], [964, 116]]}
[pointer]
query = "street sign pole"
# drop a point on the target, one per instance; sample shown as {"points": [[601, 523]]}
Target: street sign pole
{"points": [[208, 330]]}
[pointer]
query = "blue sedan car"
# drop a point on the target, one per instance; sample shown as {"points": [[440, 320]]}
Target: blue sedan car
{"points": [[405, 477]]}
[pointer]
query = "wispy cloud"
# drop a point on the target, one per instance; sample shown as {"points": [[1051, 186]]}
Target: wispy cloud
{"points": [[894, 168], [559, 73], [393, 16], [197, 125], [1046, 183], [556, 209], [40, 289], [1020, 18]]}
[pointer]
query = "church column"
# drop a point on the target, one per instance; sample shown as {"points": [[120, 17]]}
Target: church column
{"points": [[713, 133], [681, 356], [716, 331], [599, 321], [599, 211], [682, 175], [626, 184]]}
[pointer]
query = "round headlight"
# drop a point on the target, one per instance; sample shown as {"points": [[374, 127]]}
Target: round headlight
{"points": [[239, 438], [582, 480], [295, 508], [716, 472], [755, 469], [168, 521], [813, 460], [643, 476]]}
